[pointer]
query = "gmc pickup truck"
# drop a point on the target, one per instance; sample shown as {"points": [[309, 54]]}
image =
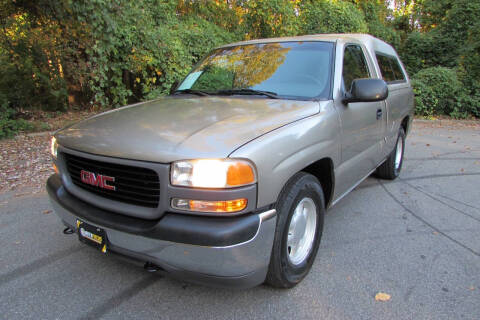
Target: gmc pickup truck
{"points": [[226, 181]]}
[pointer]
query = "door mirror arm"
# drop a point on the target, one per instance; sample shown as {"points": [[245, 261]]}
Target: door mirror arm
{"points": [[347, 97]]}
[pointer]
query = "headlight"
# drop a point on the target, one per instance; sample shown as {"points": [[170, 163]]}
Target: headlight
{"points": [[53, 147], [212, 173]]}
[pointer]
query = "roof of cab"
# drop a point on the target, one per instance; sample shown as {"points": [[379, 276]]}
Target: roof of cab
{"points": [[370, 41]]}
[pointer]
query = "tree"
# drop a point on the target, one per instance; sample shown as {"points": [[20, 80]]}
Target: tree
{"points": [[269, 18], [324, 16]]}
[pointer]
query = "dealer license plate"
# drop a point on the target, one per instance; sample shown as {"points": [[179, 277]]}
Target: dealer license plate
{"points": [[92, 235]]}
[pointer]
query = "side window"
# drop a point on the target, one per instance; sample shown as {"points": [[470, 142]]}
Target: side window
{"points": [[354, 65], [397, 70], [390, 68], [385, 68]]}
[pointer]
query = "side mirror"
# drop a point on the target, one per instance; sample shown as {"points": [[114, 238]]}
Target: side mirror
{"points": [[173, 87], [367, 90]]}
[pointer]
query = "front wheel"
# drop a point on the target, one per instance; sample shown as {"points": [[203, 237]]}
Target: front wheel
{"points": [[391, 168], [301, 211]]}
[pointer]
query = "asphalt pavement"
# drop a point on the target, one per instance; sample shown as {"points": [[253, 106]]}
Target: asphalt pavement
{"points": [[416, 238]]}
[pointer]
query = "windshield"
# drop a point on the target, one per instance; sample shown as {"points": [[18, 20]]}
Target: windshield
{"points": [[286, 69]]}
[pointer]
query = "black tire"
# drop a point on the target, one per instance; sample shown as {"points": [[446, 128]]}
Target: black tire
{"points": [[388, 170], [282, 273]]}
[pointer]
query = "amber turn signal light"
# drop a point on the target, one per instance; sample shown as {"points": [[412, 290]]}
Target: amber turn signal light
{"points": [[227, 206], [240, 173]]}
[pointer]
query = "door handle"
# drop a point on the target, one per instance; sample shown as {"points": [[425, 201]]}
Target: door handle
{"points": [[379, 113]]}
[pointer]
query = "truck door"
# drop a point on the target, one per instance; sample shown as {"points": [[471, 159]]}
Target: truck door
{"points": [[362, 123]]}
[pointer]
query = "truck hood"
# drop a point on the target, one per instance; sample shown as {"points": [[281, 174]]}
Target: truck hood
{"points": [[175, 128]]}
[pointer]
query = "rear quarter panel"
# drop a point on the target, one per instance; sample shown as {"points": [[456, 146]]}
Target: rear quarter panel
{"points": [[399, 105]]}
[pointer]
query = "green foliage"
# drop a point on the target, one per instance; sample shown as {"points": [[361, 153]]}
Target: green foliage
{"points": [[470, 65], [417, 52], [324, 16], [438, 91], [29, 74], [67, 53], [269, 18], [8, 125], [227, 15], [214, 78], [431, 13], [376, 17], [132, 57], [447, 35]]}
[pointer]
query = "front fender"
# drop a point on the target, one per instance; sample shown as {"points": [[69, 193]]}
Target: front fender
{"points": [[285, 151]]}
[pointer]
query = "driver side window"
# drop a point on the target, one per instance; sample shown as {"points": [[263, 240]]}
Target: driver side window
{"points": [[354, 65]]}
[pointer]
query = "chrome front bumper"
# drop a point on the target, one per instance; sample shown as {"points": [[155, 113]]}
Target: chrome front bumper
{"points": [[242, 264]]}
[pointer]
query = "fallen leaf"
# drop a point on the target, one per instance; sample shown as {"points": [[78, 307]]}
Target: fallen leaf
{"points": [[461, 170], [46, 211], [472, 288], [382, 296], [428, 144], [18, 195], [435, 232]]}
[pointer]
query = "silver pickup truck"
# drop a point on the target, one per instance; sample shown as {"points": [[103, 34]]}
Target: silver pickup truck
{"points": [[226, 181]]}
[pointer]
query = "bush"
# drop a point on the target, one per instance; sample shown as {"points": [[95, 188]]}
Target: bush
{"points": [[417, 52], [438, 91], [378, 19], [324, 16], [30, 72], [269, 18], [55, 54], [9, 126], [136, 58]]}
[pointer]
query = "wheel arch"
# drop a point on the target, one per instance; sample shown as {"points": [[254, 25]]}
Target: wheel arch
{"points": [[323, 170], [405, 124]]}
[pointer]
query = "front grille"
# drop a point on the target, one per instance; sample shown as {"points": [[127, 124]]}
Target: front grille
{"points": [[134, 185]]}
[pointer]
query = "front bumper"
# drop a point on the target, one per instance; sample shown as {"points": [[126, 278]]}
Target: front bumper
{"points": [[216, 251]]}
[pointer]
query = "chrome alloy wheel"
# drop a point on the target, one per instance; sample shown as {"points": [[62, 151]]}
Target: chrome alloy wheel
{"points": [[399, 153], [301, 231]]}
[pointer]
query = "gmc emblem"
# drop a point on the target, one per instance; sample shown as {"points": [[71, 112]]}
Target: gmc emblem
{"points": [[97, 180]]}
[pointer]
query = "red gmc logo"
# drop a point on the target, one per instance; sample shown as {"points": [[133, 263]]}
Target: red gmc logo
{"points": [[97, 180]]}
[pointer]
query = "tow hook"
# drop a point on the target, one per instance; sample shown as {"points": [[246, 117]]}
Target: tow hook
{"points": [[68, 230], [150, 267]]}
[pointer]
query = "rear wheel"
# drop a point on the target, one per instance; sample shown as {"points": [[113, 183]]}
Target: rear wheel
{"points": [[391, 168], [301, 211]]}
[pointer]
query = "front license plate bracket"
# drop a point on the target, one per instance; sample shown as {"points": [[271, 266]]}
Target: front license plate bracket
{"points": [[92, 235]]}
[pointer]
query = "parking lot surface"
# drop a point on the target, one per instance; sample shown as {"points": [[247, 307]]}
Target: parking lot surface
{"points": [[416, 238]]}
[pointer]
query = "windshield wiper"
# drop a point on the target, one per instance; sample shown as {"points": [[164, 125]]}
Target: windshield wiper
{"points": [[192, 91], [248, 91]]}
